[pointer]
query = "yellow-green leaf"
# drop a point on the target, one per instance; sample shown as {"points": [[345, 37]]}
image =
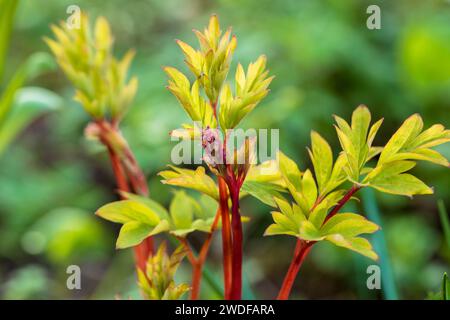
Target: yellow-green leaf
{"points": [[191, 179], [182, 210], [389, 170], [390, 178], [356, 141], [348, 225], [409, 130], [322, 159], [263, 191], [268, 171], [128, 210], [403, 184], [276, 229], [152, 204], [360, 125], [359, 245], [157, 283], [309, 232], [132, 233], [309, 188], [289, 171], [251, 88]]}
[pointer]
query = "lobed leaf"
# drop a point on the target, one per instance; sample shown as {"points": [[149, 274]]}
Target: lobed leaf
{"points": [[287, 221], [182, 210], [409, 130], [322, 159], [357, 244], [289, 172], [319, 212], [356, 141], [128, 210], [390, 178], [132, 233], [190, 98], [309, 232], [268, 171], [308, 189], [152, 204], [348, 225], [191, 179], [263, 191], [251, 88], [402, 184], [410, 143]]}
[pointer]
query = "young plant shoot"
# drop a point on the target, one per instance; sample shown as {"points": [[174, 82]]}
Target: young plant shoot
{"points": [[314, 214], [85, 55], [309, 204]]}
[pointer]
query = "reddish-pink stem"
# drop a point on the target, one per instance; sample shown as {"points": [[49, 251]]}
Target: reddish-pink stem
{"points": [[127, 170], [197, 267], [226, 236], [236, 224], [302, 249], [342, 202]]}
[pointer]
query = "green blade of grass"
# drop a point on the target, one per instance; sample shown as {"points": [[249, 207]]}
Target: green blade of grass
{"points": [[445, 287], [388, 286], [35, 65], [443, 215], [7, 12], [7, 97], [30, 104]]}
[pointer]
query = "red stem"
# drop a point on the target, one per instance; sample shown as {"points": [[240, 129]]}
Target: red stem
{"points": [[137, 177], [197, 268], [343, 201], [228, 248], [119, 173], [302, 249], [236, 224], [198, 262], [139, 185], [226, 236], [134, 175], [142, 251]]}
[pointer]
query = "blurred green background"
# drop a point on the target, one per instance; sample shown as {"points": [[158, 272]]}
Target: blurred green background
{"points": [[326, 62]]}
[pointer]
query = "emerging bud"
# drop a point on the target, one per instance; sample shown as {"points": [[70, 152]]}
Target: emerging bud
{"points": [[99, 78], [158, 283], [212, 147]]}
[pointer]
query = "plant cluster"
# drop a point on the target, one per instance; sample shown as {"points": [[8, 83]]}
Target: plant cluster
{"points": [[85, 55], [315, 213], [308, 203]]}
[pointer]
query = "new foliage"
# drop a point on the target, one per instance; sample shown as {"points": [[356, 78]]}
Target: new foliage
{"points": [[308, 203]]}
